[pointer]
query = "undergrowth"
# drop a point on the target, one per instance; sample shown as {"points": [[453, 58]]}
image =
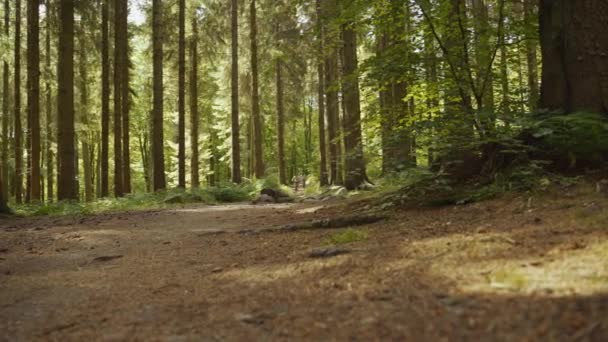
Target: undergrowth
{"points": [[347, 236]]}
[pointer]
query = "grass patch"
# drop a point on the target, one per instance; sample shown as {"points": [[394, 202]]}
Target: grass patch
{"points": [[347, 236]]}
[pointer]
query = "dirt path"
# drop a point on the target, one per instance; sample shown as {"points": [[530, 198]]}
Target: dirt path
{"points": [[499, 270]]}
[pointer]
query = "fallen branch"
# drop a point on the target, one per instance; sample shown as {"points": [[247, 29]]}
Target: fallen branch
{"points": [[333, 223]]}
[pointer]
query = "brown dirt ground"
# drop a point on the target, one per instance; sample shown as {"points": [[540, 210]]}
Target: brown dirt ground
{"points": [[510, 269]]}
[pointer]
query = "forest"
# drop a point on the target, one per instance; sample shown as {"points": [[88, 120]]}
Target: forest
{"points": [[290, 137]]}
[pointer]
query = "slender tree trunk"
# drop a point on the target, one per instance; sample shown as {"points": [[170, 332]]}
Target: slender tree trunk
{"points": [[258, 139], [157, 113], [118, 33], [354, 162], [280, 123], [505, 106], [33, 94], [483, 58], [323, 176], [3, 200], [236, 149], [125, 100], [84, 120], [5, 111], [531, 46], [105, 99], [181, 96], [49, 109], [66, 175], [194, 115], [18, 183]]}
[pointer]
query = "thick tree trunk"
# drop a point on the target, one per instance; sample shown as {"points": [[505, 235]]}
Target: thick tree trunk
{"points": [[236, 148], [105, 99], [194, 115], [181, 97], [5, 111], [18, 148], [66, 175], [258, 139], [574, 42], [33, 94], [354, 162], [3, 200], [280, 123], [158, 154]]}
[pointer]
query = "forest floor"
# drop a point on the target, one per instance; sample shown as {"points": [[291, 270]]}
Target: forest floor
{"points": [[516, 268]]}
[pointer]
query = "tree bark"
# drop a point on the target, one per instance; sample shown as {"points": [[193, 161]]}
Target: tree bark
{"points": [[323, 176], [236, 149], [194, 115], [181, 96], [531, 46], [157, 112], [33, 94], [49, 108], [574, 43], [280, 123], [5, 110], [354, 162], [84, 113], [18, 148], [258, 139], [118, 82], [105, 99], [66, 175], [125, 101]]}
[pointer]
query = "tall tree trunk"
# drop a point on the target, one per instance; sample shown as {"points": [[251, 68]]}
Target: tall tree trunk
{"points": [[5, 111], [331, 34], [181, 97], [33, 94], [323, 177], [258, 139], [574, 42], [3, 200], [66, 175], [194, 115], [236, 149], [105, 99], [483, 56], [49, 108], [125, 100], [158, 153], [84, 113], [354, 162], [531, 46], [118, 75], [505, 106], [18, 182], [280, 123]]}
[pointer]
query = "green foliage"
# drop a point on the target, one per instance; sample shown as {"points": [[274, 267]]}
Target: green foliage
{"points": [[347, 236], [579, 135], [228, 192]]}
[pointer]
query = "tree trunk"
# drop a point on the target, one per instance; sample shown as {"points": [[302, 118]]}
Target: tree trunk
{"points": [[105, 99], [5, 111], [66, 175], [194, 115], [354, 162], [258, 139], [18, 182], [236, 149], [323, 177], [483, 56], [3, 200], [531, 46], [49, 109], [157, 112], [181, 97], [505, 106], [574, 43], [125, 100], [118, 61], [84, 113], [280, 123], [33, 94]]}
